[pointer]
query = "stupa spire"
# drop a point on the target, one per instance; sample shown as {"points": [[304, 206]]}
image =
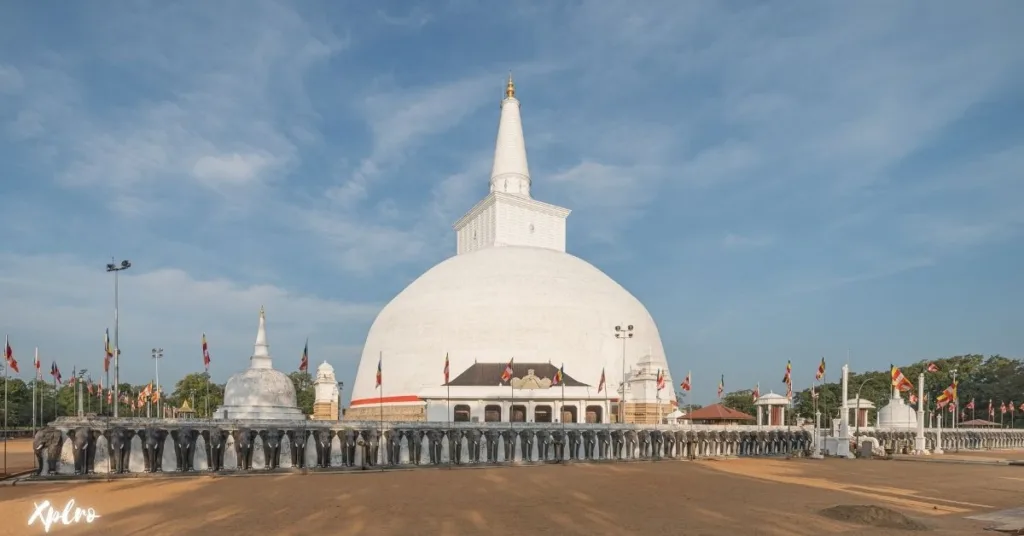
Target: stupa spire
{"points": [[261, 351], [510, 173]]}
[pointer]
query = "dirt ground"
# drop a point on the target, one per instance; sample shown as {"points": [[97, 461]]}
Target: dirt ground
{"points": [[744, 496], [19, 456]]}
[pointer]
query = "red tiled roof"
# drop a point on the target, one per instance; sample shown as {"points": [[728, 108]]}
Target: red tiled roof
{"points": [[718, 412], [978, 422]]}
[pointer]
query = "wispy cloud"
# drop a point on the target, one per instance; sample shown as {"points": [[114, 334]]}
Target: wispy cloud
{"points": [[316, 158]]}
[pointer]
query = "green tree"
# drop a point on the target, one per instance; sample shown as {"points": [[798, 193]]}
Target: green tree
{"points": [[740, 401], [194, 387], [304, 393]]}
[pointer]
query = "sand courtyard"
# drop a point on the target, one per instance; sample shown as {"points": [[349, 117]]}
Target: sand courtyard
{"points": [[736, 496]]}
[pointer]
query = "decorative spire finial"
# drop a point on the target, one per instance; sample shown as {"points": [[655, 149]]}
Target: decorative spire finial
{"points": [[262, 312], [261, 351], [510, 88]]}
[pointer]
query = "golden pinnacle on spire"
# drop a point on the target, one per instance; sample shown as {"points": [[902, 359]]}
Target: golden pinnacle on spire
{"points": [[510, 88]]}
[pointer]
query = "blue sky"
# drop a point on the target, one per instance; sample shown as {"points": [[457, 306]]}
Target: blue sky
{"points": [[774, 180]]}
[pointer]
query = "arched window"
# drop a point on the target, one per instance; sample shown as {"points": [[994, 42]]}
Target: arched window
{"points": [[461, 413], [492, 413]]}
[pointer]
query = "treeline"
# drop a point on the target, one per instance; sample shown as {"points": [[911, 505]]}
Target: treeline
{"points": [[979, 378], [203, 396]]}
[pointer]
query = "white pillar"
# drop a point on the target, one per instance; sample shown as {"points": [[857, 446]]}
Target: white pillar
{"points": [[816, 453], [938, 438], [759, 415], [919, 439], [843, 447]]}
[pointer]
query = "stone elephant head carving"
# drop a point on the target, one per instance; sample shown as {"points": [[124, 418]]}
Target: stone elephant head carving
{"points": [[119, 447], [244, 439], [184, 447], [47, 445], [271, 447], [215, 439], [153, 448], [83, 440]]}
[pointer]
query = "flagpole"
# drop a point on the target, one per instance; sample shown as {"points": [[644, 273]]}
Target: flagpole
{"points": [[36, 365], [448, 405], [380, 397], [7, 366]]}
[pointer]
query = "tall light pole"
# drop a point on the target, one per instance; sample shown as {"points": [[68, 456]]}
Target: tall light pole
{"points": [[112, 267], [623, 333], [158, 354], [341, 385]]}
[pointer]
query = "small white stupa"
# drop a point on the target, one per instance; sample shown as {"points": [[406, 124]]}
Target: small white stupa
{"points": [[260, 392], [897, 414]]}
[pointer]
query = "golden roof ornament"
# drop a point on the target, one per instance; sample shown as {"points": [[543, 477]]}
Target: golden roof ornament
{"points": [[510, 88]]}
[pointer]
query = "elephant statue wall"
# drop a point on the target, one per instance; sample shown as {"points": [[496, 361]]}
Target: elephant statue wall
{"points": [[153, 448], [604, 444], [508, 443], [668, 439], [493, 438], [297, 447], [371, 446], [119, 448], [47, 445], [434, 439], [543, 444], [244, 438], [394, 450], [618, 444], [589, 442], [630, 444], [473, 438], [526, 439], [455, 446], [184, 447], [322, 441], [643, 438], [558, 442], [574, 444], [215, 439], [83, 440], [415, 440], [271, 448]]}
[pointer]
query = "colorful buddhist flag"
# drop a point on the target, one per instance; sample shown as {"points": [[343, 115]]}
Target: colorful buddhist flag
{"points": [[55, 372], [821, 370], [932, 367], [380, 371], [757, 392], [447, 369], [38, 364], [948, 396], [206, 354], [9, 354], [685, 386], [721, 386], [1002, 408], [787, 378], [661, 379], [506, 375], [304, 362], [970, 405], [898, 380], [600, 385], [108, 352], [557, 380]]}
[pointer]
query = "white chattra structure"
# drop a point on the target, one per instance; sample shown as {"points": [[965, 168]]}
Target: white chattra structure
{"points": [[325, 389], [511, 292], [260, 392]]}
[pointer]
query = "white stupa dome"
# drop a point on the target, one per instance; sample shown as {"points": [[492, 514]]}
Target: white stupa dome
{"points": [[496, 303], [897, 414], [259, 392]]}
